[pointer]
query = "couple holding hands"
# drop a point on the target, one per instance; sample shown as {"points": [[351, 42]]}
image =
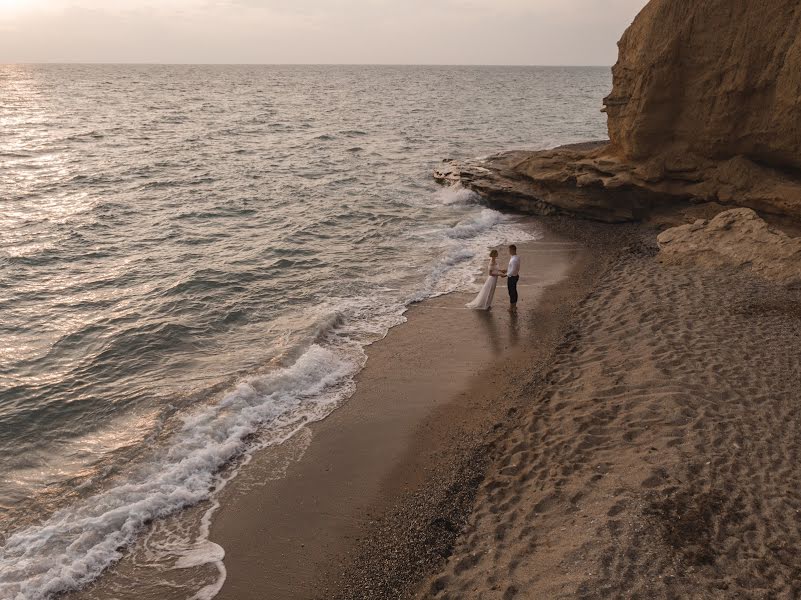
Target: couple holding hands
{"points": [[512, 273]]}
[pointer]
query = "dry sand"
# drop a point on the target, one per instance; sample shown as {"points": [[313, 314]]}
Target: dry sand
{"points": [[659, 458]]}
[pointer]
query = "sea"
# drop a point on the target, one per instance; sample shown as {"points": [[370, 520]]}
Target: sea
{"points": [[193, 260]]}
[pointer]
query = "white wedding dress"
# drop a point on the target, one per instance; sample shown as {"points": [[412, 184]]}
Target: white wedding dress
{"points": [[484, 299]]}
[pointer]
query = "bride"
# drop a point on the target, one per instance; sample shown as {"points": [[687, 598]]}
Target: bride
{"points": [[484, 299]]}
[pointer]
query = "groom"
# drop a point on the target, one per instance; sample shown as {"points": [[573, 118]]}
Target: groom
{"points": [[512, 276]]}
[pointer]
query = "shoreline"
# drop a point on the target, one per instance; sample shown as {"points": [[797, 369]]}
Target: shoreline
{"points": [[408, 442], [632, 433], [263, 472]]}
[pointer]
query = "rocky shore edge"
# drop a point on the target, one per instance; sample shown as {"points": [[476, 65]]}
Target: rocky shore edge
{"points": [[588, 181]]}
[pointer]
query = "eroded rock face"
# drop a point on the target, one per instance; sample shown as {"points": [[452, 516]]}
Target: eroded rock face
{"points": [[735, 238], [566, 180], [706, 107], [715, 78], [593, 183]]}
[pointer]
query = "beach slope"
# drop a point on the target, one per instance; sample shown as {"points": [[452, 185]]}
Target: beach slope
{"points": [[368, 501], [659, 457]]}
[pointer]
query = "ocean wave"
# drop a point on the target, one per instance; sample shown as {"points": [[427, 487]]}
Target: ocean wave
{"points": [[456, 195], [77, 543], [464, 243], [205, 282], [475, 225], [447, 274], [85, 136]]}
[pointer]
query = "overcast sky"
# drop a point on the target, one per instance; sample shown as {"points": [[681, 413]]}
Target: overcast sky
{"points": [[528, 32]]}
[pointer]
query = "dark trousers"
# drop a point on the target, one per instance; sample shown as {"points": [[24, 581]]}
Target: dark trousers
{"points": [[511, 283]]}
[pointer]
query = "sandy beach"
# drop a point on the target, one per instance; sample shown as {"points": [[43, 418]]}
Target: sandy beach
{"points": [[371, 499], [657, 458], [633, 434]]}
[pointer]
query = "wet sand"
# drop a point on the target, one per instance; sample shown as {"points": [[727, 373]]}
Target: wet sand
{"points": [[371, 497]]}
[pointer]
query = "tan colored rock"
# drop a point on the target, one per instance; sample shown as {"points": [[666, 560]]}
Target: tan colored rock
{"points": [[735, 238], [706, 107], [562, 181], [714, 78], [590, 182]]}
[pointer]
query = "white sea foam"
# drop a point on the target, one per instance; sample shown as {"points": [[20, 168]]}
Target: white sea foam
{"points": [[475, 225], [456, 194], [465, 247], [76, 544]]}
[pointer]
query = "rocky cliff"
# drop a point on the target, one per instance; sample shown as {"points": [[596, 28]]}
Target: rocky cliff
{"points": [[714, 78], [705, 107]]}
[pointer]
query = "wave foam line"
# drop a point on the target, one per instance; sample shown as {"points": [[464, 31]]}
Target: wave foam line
{"points": [[74, 545], [464, 243]]}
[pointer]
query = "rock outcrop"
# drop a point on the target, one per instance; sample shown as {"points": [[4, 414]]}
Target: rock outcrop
{"points": [[713, 78], [735, 238], [705, 107], [565, 180]]}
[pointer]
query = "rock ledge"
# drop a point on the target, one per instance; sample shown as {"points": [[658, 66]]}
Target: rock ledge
{"points": [[586, 181]]}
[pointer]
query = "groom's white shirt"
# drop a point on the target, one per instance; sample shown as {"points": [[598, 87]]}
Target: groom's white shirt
{"points": [[513, 270]]}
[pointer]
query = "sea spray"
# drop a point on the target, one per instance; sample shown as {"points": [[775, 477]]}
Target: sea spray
{"points": [[456, 194]]}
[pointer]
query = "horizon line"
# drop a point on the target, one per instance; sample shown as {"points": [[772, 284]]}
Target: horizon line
{"points": [[299, 64]]}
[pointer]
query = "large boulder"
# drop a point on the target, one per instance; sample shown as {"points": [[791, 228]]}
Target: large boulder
{"points": [[738, 239], [716, 78]]}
